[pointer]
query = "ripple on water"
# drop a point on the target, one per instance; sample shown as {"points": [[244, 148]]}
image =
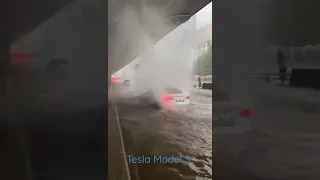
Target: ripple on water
{"points": [[187, 132]]}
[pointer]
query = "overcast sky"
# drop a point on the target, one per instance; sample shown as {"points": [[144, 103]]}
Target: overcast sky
{"points": [[204, 16]]}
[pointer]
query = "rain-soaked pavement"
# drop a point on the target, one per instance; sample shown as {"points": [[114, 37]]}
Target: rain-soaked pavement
{"points": [[282, 141], [187, 132]]}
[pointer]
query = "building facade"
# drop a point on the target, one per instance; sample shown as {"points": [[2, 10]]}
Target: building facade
{"points": [[203, 40]]}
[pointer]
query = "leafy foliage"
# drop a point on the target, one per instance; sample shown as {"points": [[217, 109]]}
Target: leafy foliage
{"points": [[203, 66]]}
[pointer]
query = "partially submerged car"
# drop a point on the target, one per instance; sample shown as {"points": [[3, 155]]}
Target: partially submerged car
{"points": [[167, 97], [229, 117]]}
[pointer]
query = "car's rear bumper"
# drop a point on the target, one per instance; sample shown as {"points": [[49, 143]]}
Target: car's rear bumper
{"points": [[180, 103], [174, 105]]}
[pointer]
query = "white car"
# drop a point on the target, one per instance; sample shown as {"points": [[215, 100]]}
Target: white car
{"points": [[167, 97]]}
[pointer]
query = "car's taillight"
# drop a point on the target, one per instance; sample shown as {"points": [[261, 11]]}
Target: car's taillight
{"points": [[245, 113], [114, 80], [167, 98], [187, 97]]}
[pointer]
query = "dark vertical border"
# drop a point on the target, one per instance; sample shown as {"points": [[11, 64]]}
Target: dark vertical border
{"points": [[12, 154], [212, 125], [4, 45]]}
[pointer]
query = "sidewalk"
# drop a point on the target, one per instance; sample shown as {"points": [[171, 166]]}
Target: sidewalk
{"points": [[202, 92]]}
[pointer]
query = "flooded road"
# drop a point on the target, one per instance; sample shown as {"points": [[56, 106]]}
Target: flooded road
{"points": [[275, 136], [188, 132]]}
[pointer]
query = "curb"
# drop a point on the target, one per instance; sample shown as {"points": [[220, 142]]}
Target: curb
{"points": [[122, 150], [201, 93]]}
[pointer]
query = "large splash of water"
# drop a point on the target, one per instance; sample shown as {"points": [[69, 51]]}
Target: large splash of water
{"points": [[162, 63]]}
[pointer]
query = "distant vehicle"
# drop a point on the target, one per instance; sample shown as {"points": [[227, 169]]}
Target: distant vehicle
{"points": [[169, 97], [126, 82], [58, 68], [115, 79]]}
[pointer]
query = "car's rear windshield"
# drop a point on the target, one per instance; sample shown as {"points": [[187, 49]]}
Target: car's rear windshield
{"points": [[173, 91]]}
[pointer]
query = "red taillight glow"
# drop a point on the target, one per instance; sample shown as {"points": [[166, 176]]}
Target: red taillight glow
{"points": [[245, 113], [187, 97], [114, 80], [166, 98], [21, 57]]}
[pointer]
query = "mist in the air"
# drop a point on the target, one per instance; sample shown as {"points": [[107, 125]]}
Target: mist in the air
{"points": [[163, 62]]}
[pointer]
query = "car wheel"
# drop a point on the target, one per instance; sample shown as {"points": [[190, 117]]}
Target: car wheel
{"points": [[155, 106]]}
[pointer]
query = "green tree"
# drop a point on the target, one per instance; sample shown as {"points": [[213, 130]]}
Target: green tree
{"points": [[203, 65]]}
